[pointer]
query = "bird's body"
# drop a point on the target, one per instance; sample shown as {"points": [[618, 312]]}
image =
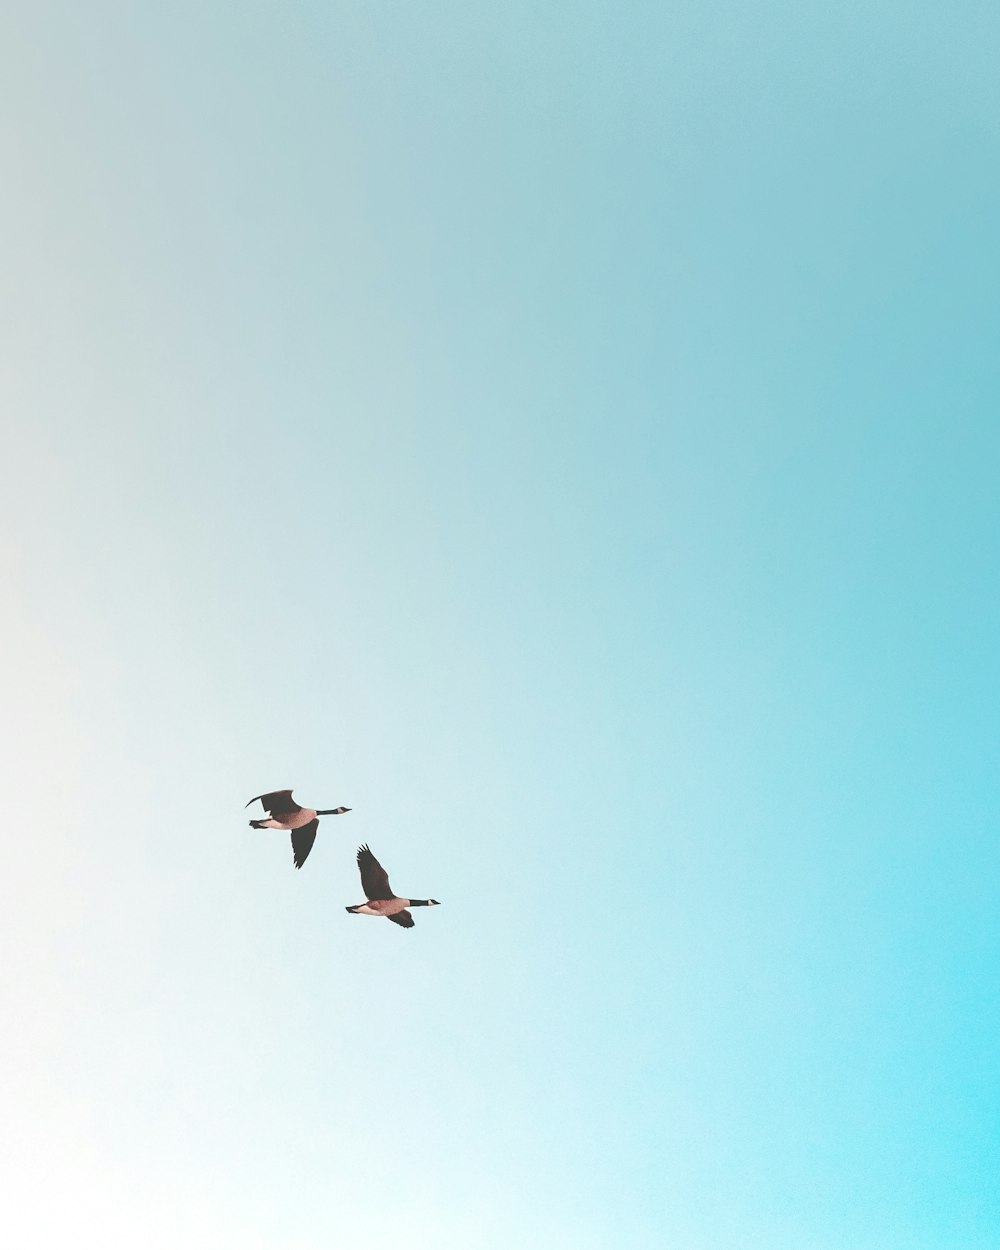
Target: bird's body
{"points": [[284, 813], [380, 899], [290, 820], [381, 907]]}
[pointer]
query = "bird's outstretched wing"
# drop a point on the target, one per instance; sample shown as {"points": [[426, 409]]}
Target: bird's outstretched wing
{"points": [[302, 842], [278, 802], [402, 918], [374, 878]]}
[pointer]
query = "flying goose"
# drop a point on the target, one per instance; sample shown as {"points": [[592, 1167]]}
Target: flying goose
{"points": [[378, 891], [285, 813]]}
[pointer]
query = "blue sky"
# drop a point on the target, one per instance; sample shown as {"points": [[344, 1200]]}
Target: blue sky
{"points": [[566, 435]]}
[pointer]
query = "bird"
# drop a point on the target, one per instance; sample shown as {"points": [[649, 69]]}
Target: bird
{"points": [[378, 891], [285, 813]]}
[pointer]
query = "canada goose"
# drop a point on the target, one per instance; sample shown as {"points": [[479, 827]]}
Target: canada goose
{"points": [[285, 813], [378, 891]]}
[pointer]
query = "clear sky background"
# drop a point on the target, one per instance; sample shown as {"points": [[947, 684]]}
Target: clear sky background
{"points": [[567, 435]]}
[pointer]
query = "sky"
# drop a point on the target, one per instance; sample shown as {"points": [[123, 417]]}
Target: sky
{"points": [[566, 435]]}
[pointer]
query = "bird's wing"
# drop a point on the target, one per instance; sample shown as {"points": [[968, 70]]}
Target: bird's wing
{"points": [[302, 842], [374, 878], [278, 802], [402, 918]]}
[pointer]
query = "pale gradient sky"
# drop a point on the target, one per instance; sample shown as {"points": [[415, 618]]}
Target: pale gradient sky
{"points": [[566, 434]]}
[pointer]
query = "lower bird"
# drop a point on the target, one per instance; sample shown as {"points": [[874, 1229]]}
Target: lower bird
{"points": [[378, 892], [285, 813]]}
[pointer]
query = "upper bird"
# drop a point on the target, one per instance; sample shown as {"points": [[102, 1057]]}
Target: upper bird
{"points": [[285, 813], [378, 892]]}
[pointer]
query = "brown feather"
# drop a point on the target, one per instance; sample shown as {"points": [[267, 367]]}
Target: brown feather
{"points": [[374, 878]]}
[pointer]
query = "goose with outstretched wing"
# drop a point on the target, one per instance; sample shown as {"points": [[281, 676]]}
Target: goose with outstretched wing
{"points": [[378, 892], [284, 813]]}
